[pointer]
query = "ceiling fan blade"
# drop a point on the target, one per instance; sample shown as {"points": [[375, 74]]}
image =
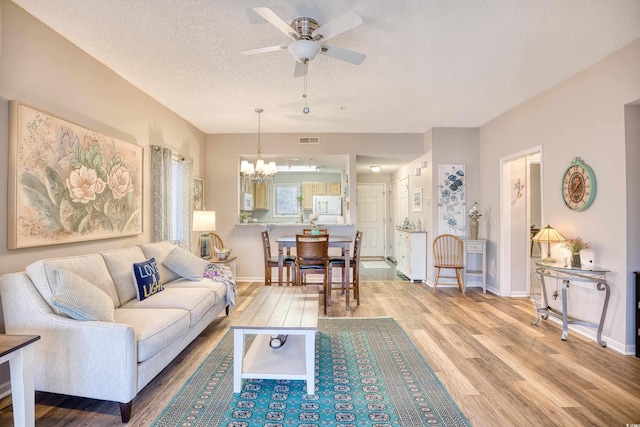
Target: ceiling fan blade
{"points": [[271, 17], [262, 50], [300, 70], [350, 56], [337, 26]]}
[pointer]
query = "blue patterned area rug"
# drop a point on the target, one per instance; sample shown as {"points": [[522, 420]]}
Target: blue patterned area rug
{"points": [[368, 373]]}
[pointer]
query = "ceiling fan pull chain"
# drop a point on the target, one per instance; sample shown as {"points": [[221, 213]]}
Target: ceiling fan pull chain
{"points": [[305, 95]]}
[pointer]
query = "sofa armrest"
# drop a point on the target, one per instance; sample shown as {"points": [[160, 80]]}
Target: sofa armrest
{"points": [[81, 358]]}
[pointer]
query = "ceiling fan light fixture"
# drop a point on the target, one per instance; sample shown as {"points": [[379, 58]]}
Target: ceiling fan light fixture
{"points": [[304, 50]]}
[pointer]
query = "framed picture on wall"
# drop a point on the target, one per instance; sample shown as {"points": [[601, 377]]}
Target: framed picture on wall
{"points": [[198, 194], [69, 183], [416, 202], [451, 200]]}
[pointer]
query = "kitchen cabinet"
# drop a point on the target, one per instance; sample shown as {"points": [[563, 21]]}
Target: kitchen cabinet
{"points": [[261, 195], [333, 189], [310, 189], [411, 254]]}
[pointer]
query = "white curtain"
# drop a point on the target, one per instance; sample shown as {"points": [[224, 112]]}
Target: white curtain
{"points": [[172, 205]]}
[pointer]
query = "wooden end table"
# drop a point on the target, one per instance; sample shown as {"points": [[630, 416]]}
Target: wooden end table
{"points": [[277, 310], [18, 351]]}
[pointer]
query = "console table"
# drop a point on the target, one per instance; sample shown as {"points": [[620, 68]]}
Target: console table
{"points": [[277, 310], [18, 351], [594, 279]]}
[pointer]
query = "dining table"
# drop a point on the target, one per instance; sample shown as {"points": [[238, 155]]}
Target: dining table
{"points": [[335, 241]]}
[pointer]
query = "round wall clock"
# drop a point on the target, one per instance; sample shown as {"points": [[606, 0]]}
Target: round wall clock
{"points": [[578, 185]]}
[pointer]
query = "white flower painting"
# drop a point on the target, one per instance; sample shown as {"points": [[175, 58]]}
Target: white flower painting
{"points": [[68, 183], [451, 200]]}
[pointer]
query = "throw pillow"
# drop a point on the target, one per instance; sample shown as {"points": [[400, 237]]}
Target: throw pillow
{"points": [[147, 278], [79, 299], [185, 264]]}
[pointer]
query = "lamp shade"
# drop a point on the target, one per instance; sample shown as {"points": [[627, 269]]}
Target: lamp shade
{"points": [[204, 220], [548, 234]]}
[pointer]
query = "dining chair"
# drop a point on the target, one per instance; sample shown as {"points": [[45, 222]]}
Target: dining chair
{"points": [[272, 262], [309, 230], [447, 254], [354, 264], [312, 257]]}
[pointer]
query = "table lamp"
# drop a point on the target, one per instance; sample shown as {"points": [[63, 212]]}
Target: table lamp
{"points": [[549, 235], [204, 222]]}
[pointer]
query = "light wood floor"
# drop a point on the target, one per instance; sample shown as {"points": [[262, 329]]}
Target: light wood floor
{"points": [[499, 369]]}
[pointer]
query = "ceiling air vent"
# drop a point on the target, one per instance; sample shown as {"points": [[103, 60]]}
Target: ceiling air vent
{"points": [[309, 140]]}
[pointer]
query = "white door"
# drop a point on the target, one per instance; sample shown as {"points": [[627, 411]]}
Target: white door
{"points": [[393, 220], [370, 199]]}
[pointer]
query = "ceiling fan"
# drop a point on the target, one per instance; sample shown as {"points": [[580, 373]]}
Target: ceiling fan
{"points": [[308, 38]]}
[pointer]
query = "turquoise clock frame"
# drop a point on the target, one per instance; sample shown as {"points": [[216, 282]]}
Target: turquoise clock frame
{"points": [[592, 184]]}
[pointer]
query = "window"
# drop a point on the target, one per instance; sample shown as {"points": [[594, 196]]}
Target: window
{"points": [[286, 200]]}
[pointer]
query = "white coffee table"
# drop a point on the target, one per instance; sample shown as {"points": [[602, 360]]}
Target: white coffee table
{"points": [[277, 310]]}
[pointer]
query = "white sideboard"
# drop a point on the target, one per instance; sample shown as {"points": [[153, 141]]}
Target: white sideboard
{"points": [[411, 254]]}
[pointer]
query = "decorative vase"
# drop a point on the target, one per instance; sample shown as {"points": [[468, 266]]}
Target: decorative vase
{"points": [[575, 260], [315, 230], [473, 228]]}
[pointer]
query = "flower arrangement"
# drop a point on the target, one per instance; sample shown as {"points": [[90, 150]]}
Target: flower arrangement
{"points": [[576, 245], [245, 215], [313, 218], [474, 213]]}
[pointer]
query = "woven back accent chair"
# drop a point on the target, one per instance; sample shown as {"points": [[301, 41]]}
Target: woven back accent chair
{"points": [[447, 254], [312, 257], [271, 262]]}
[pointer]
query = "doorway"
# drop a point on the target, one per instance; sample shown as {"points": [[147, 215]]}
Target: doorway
{"points": [[371, 212], [520, 207]]}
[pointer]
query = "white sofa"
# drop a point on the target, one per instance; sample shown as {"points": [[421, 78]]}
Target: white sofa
{"points": [[103, 359]]}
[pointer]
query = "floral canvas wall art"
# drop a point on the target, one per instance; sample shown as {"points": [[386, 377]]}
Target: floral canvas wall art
{"points": [[451, 200], [68, 183]]}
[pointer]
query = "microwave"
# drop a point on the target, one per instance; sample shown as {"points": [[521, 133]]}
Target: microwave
{"points": [[246, 201]]}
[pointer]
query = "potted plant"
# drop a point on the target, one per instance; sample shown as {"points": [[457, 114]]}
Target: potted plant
{"points": [[575, 246], [244, 216]]}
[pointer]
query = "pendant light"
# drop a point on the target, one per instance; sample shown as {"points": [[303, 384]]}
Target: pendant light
{"points": [[261, 171]]}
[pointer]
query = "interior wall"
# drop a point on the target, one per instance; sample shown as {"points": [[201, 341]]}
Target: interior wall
{"points": [[44, 70], [533, 184], [632, 138], [582, 116], [223, 150]]}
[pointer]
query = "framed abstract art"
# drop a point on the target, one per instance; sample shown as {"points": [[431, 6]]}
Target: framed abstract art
{"points": [[68, 183]]}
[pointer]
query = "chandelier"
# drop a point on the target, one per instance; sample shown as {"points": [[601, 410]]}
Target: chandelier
{"points": [[260, 171]]}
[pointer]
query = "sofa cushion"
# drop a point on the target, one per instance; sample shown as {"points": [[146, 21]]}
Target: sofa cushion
{"points": [[194, 300], [154, 329], [147, 278], [91, 267], [219, 289], [185, 264], [159, 251], [119, 263], [79, 299]]}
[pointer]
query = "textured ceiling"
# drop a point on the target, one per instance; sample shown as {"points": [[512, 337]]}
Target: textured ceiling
{"points": [[430, 63]]}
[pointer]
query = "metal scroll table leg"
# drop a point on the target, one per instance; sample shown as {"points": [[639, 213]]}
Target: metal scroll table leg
{"points": [[565, 321], [603, 287]]}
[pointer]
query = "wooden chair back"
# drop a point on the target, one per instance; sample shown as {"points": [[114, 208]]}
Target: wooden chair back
{"points": [[216, 241], [272, 261], [308, 230], [312, 250], [447, 251]]}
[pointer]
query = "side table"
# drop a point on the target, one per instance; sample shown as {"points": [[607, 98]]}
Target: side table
{"points": [[477, 248], [229, 262], [18, 351]]}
